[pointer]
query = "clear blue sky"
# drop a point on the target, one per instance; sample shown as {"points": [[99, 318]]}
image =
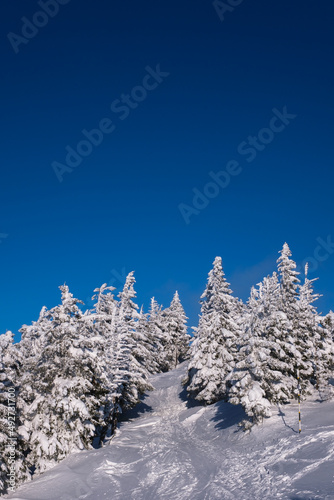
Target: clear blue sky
{"points": [[118, 210]]}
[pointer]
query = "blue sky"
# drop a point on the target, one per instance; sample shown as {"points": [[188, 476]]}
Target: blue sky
{"points": [[119, 209]]}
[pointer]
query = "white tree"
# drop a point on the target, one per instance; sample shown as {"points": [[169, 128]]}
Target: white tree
{"points": [[65, 388], [249, 374], [148, 356], [102, 323], [33, 337], [176, 336], [159, 335], [289, 283], [13, 467], [213, 352], [309, 335], [325, 357], [285, 327], [264, 356], [137, 376]]}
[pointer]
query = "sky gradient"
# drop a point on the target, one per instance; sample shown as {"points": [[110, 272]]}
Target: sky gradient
{"points": [[196, 93]]}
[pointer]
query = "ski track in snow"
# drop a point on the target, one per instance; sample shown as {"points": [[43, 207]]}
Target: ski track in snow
{"points": [[167, 450]]}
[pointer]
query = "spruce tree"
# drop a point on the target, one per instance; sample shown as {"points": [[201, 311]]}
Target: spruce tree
{"points": [[160, 336], [101, 322], [176, 336], [213, 352], [65, 388], [13, 466], [289, 283], [264, 356], [248, 378], [285, 326], [137, 376], [309, 339], [150, 345]]}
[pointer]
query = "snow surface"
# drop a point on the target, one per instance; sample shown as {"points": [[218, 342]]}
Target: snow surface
{"points": [[168, 448]]}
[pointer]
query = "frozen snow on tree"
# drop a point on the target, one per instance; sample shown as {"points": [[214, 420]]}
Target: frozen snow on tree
{"points": [[156, 325], [136, 378], [101, 321], [13, 468], [248, 379], [273, 325], [285, 327], [64, 388], [176, 339], [289, 282], [213, 352], [74, 372], [149, 344], [309, 336]]}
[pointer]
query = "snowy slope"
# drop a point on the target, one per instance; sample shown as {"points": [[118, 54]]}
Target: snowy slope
{"points": [[168, 450]]}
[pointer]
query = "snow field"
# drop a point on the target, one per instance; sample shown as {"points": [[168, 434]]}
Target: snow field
{"points": [[168, 448]]}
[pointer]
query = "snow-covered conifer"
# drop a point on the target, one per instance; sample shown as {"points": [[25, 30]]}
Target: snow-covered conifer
{"points": [[266, 351], [159, 334], [176, 336], [137, 375], [213, 352], [280, 381], [309, 333], [285, 326], [13, 467], [289, 283], [64, 389], [248, 378], [148, 356]]}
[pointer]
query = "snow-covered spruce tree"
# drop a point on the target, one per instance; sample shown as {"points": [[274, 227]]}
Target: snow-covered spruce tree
{"points": [[32, 344], [263, 373], [248, 376], [176, 336], [13, 468], [150, 345], [285, 328], [324, 375], [105, 320], [65, 388], [310, 338], [279, 381], [289, 283], [136, 382], [213, 352], [329, 321], [101, 322], [33, 337], [160, 336], [115, 322]]}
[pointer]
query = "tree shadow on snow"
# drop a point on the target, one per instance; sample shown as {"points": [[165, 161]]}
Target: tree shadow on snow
{"points": [[191, 402], [281, 414], [228, 415], [136, 411]]}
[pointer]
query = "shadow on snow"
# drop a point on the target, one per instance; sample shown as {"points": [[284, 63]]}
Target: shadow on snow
{"points": [[228, 415], [135, 412]]}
